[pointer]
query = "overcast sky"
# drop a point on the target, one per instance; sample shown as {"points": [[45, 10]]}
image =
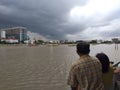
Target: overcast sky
{"points": [[63, 19]]}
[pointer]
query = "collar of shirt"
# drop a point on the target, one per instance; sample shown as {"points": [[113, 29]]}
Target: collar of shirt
{"points": [[84, 56]]}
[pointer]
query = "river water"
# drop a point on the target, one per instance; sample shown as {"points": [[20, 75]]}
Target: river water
{"points": [[42, 67]]}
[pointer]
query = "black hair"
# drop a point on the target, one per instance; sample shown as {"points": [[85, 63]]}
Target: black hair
{"points": [[83, 48], [103, 58]]}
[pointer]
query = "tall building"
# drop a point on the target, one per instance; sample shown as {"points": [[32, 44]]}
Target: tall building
{"points": [[3, 35], [19, 33]]}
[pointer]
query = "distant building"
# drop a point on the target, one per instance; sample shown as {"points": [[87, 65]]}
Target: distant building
{"points": [[116, 40], [33, 36], [3, 35], [99, 41], [10, 40], [15, 33]]}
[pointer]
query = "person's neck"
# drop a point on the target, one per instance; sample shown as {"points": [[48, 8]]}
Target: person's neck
{"points": [[82, 55]]}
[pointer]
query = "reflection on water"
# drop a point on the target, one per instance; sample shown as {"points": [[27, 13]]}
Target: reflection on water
{"points": [[41, 67]]}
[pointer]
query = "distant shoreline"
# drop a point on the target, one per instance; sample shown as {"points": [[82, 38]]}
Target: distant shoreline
{"points": [[69, 45]]}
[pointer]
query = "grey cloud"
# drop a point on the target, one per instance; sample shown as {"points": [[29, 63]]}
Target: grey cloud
{"points": [[46, 17], [115, 33]]}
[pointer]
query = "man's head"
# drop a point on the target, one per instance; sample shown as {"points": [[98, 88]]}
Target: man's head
{"points": [[83, 48]]}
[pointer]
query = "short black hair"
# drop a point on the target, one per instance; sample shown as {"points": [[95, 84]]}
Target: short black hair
{"points": [[103, 58], [83, 47]]}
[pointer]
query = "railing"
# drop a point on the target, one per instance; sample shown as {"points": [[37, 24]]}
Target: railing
{"points": [[116, 65], [116, 77]]}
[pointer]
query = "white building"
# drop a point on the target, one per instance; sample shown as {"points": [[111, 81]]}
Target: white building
{"points": [[3, 34], [10, 40]]}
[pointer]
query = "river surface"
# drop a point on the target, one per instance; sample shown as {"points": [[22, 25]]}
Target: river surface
{"points": [[42, 67]]}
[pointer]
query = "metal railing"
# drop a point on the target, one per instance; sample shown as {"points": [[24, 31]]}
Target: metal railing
{"points": [[116, 77]]}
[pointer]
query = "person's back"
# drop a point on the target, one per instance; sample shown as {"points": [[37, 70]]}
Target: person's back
{"points": [[108, 77], [86, 73], [107, 71]]}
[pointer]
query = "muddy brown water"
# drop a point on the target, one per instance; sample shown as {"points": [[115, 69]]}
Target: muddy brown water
{"points": [[42, 67]]}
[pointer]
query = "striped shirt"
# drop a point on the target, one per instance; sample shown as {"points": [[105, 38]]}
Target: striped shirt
{"points": [[86, 74]]}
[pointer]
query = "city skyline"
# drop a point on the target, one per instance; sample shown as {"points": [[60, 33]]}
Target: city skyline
{"points": [[64, 19], [36, 36]]}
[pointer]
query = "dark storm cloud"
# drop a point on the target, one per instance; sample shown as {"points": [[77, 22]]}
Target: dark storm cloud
{"points": [[42, 16], [50, 18]]}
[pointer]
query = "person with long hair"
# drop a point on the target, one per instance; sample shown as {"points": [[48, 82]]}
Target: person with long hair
{"points": [[107, 70]]}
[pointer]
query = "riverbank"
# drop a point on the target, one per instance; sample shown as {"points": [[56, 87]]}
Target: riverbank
{"points": [[6, 45]]}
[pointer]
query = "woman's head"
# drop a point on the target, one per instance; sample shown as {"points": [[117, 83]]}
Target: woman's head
{"points": [[103, 58]]}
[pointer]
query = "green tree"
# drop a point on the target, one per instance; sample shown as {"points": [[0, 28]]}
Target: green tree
{"points": [[40, 42]]}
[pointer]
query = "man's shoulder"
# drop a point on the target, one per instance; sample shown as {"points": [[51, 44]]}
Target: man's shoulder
{"points": [[81, 62], [76, 64], [94, 59], [88, 59]]}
